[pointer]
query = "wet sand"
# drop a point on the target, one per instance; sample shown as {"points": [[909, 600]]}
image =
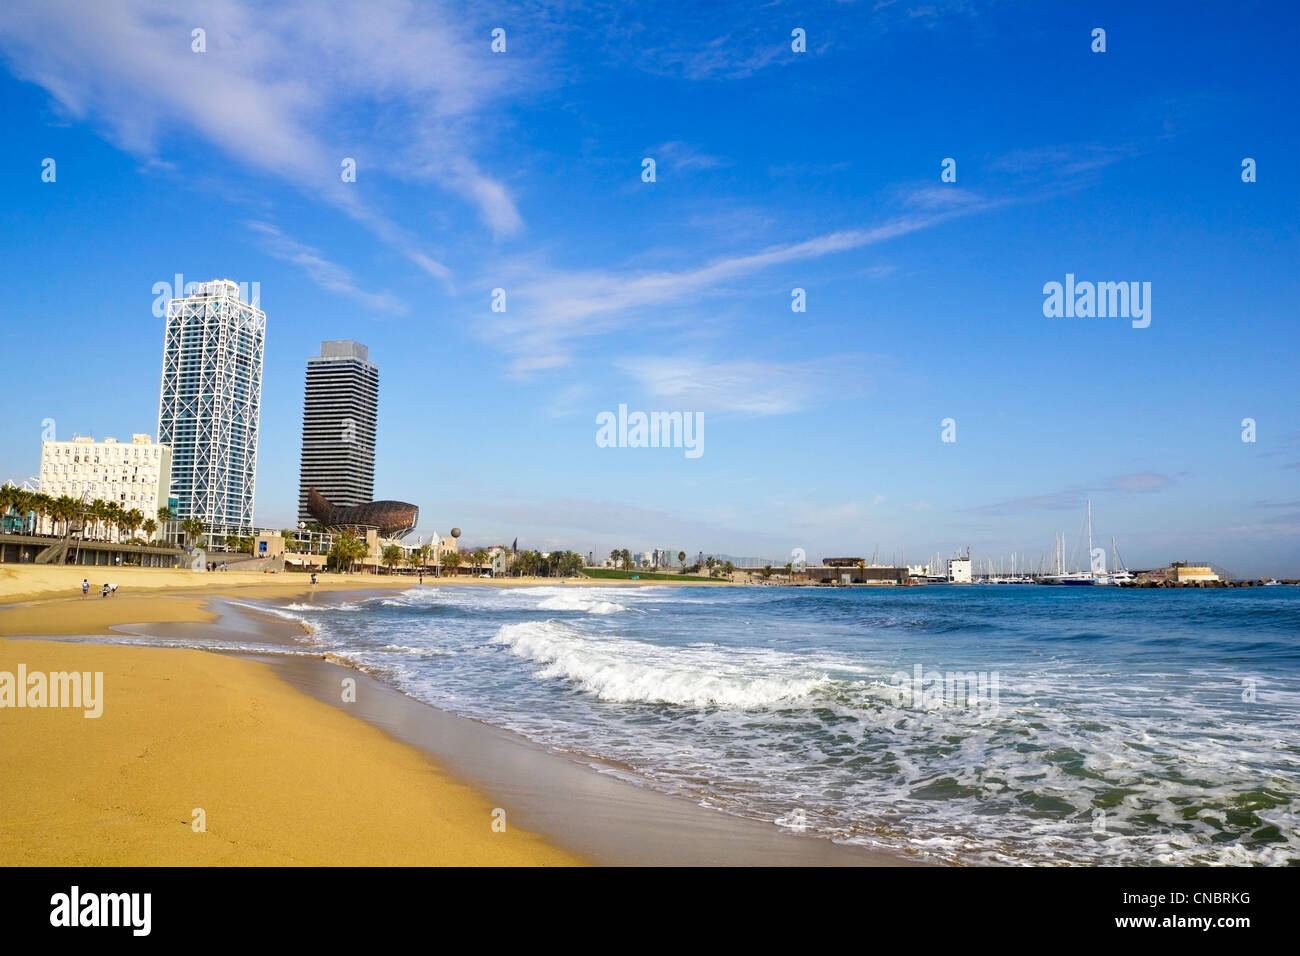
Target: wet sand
{"points": [[578, 808]]}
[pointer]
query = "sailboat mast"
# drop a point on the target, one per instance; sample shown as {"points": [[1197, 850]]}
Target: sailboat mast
{"points": [[1089, 535]]}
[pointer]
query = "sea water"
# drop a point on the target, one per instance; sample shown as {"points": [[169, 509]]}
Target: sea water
{"points": [[1113, 726]]}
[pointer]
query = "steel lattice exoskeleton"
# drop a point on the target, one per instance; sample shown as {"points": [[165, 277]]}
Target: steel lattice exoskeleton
{"points": [[210, 404]]}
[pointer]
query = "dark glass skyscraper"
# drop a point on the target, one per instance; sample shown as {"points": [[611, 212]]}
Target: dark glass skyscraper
{"points": [[338, 426]]}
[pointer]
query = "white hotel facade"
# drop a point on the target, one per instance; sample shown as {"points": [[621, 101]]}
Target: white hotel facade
{"points": [[135, 475]]}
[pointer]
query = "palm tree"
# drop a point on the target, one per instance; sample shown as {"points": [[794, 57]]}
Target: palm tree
{"points": [[766, 572], [115, 518], [338, 551], [423, 551], [97, 511], [131, 521], [347, 549], [681, 559], [392, 556], [40, 505], [451, 560], [64, 509], [193, 528], [627, 559], [164, 515], [479, 557], [150, 526], [22, 505], [7, 492]]}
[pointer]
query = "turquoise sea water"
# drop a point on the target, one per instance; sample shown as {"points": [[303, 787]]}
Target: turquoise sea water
{"points": [[1082, 725]]}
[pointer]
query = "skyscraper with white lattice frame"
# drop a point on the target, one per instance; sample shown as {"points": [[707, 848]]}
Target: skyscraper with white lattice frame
{"points": [[210, 404]]}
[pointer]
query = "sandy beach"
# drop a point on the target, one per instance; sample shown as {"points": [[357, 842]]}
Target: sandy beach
{"points": [[277, 777], [284, 772], [19, 583], [280, 778]]}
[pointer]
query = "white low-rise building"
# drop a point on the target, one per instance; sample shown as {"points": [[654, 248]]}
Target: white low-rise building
{"points": [[135, 475]]}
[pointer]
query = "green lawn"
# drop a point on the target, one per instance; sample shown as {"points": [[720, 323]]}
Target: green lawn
{"points": [[611, 573]]}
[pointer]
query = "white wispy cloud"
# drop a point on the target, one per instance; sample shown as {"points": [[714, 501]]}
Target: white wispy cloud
{"points": [[1060, 161], [550, 309], [1141, 482], [287, 90], [568, 401], [326, 274], [682, 156], [747, 386]]}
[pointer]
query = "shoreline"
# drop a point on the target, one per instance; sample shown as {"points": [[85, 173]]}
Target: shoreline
{"points": [[567, 799], [566, 804], [26, 583]]}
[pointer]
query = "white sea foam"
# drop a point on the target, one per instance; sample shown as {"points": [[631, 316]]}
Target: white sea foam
{"points": [[234, 647], [309, 627], [623, 670], [580, 602], [302, 606], [416, 651]]}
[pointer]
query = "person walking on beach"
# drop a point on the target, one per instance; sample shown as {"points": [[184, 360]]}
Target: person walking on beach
{"points": [[85, 588], [103, 592]]}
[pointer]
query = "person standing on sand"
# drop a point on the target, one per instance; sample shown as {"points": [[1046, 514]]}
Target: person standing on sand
{"points": [[85, 588], [103, 592]]}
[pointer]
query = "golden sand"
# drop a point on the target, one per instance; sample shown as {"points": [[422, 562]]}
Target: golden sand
{"points": [[24, 582], [281, 778]]}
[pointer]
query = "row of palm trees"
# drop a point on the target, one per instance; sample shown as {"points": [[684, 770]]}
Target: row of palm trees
{"points": [[622, 557], [98, 520], [522, 563], [347, 549]]}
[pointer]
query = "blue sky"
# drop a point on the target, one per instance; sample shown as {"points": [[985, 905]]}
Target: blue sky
{"points": [[775, 170]]}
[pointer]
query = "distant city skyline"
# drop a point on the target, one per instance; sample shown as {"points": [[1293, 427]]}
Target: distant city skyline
{"points": [[484, 223]]}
